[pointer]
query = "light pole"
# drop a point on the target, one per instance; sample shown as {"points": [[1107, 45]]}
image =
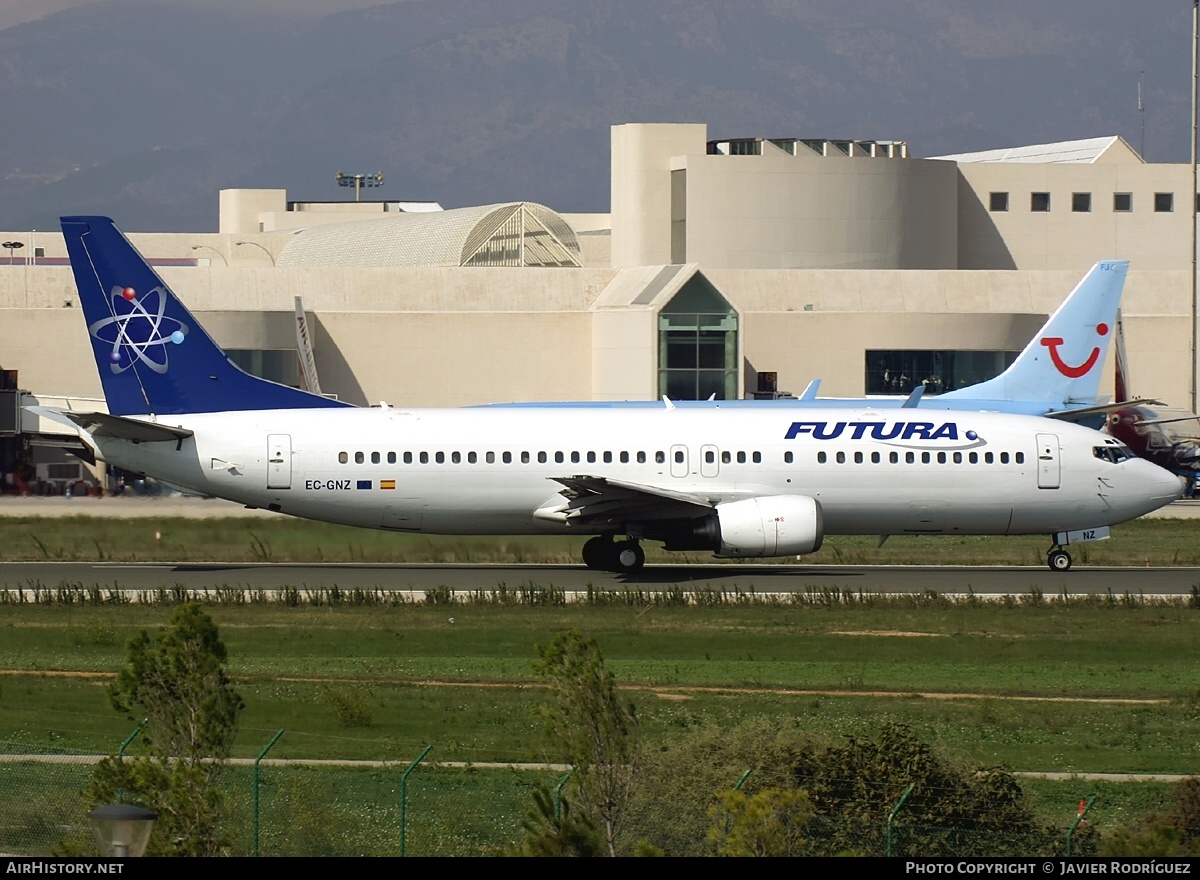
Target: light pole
{"points": [[259, 246], [209, 247], [122, 830], [358, 181], [1195, 316], [11, 246]]}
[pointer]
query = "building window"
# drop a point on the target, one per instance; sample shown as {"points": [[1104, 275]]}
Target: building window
{"points": [[1039, 202], [1164, 203], [698, 344], [899, 372], [998, 201], [1081, 203], [1122, 202], [275, 365]]}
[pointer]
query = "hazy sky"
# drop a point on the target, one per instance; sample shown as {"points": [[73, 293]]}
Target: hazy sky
{"points": [[19, 11], [150, 113]]}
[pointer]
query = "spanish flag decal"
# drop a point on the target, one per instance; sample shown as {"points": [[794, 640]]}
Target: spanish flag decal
{"points": [[387, 484]]}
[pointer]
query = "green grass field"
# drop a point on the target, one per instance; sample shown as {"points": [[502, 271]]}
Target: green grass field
{"points": [[1089, 686], [1045, 684], [1143, 542]]}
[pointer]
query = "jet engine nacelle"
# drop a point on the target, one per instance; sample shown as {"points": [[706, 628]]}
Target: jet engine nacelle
{"points": [[770, 525]]}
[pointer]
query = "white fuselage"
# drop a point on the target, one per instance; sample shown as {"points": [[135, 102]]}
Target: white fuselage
{"points": [[481, 471]]}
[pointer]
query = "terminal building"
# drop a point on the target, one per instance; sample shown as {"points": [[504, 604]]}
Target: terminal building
{"points": [[728, 268]]}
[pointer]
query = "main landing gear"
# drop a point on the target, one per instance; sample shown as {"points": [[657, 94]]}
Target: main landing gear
{"points": [[1058, 559], [605, 554]]}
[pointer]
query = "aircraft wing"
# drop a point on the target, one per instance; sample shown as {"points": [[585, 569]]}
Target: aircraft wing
{"points": [[592, 500], [1075, 415]]}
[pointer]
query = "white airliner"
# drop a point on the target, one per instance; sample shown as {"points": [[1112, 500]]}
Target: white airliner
{"points": [[740, 483]]}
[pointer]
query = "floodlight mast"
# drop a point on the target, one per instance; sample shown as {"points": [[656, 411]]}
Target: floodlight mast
{"points": [[11, 247], [358, 181]]}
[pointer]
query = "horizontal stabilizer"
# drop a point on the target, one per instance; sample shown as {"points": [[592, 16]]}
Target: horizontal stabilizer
{"points": [[1086, 412], [105, 425]]}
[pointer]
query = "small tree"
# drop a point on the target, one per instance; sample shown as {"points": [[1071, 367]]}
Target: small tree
{"points": [[769, 823], [548, 833], [177, 683], [591, 727]]}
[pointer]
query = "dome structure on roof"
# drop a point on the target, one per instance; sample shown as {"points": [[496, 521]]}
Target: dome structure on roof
{"points": [[514, 234]]}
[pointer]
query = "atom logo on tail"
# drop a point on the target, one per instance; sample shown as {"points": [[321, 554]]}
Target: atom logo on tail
{"points": [[139, 330], [1053, 342]]}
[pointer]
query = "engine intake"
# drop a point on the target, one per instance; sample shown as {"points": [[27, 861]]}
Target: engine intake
{"points": [[770, 525]]}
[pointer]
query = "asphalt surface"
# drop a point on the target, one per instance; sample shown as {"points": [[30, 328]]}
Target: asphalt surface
{"points": [[761, 578], [417, 579]]}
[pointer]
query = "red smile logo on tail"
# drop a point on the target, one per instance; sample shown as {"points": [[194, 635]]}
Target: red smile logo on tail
{"points": [[1053, 342]]}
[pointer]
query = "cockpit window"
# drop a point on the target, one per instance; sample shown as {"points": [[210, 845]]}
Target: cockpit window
{"points": [[1115, 453]]}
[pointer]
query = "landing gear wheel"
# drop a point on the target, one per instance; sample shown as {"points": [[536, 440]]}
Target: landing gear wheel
{"points": [[627, 556], [1059, 560], [598, 551]]}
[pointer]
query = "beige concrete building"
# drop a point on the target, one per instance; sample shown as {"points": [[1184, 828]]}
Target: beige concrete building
{"points": [[719, 262]]}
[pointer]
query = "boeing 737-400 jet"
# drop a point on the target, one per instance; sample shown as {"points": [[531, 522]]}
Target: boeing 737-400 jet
{"points": [[1057, 375], [749, 483]]}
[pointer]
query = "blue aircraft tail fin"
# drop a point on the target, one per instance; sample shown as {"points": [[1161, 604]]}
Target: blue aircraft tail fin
{"points": [[152, 354], [1062, 363]]}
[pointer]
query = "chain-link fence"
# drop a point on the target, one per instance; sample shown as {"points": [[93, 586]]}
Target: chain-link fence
{"points": [[365, 808]]}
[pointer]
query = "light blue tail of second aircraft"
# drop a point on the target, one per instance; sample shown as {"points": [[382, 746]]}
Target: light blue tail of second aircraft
{"points": [[1062, 363], [153, 356]]}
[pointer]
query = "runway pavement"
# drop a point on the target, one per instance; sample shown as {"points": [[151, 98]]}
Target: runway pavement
{"points": [[417, 579]]}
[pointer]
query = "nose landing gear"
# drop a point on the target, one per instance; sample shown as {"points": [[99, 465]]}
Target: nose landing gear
{"points": [[1058, 559]]}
